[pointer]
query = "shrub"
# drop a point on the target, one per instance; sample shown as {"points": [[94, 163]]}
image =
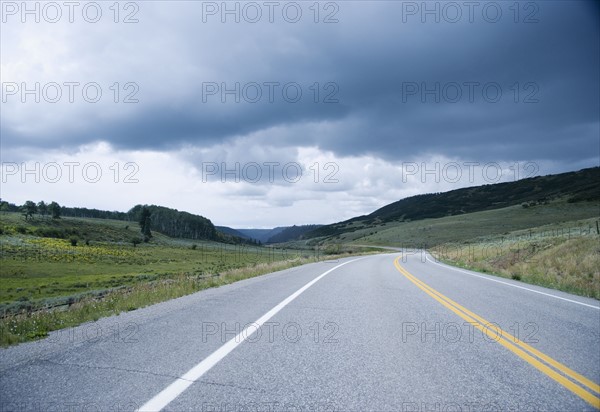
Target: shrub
{"points": [[50, 232], [73, 241]]}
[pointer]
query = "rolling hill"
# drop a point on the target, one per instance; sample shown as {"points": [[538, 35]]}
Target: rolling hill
{"points": [[572, 187]]}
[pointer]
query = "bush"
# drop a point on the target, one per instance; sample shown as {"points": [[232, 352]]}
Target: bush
{"points": [[21, 229], [50, 232], [194, 247], [73, 241]]}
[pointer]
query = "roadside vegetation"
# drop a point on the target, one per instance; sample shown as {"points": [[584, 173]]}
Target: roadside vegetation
{"points": [[564, 257], [25, 325], [57, 273]]}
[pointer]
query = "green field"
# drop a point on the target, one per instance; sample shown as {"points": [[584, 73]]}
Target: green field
{"points": [[35, 268], [60, 273]]}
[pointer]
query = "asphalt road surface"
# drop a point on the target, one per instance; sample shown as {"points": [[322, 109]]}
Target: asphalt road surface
{"points": [[379, 333]]}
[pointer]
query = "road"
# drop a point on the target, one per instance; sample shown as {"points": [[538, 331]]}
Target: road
{"points": [[386, 332]]}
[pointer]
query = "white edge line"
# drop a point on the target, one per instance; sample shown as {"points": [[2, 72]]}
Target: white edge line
{"points": [[167, 395], [510, 284]]}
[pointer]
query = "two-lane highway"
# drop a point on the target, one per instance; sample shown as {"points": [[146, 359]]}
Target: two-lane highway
{"points": [[379, 333]]}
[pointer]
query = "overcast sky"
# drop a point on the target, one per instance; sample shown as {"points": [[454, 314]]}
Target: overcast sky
{"points": [[261, 114]]}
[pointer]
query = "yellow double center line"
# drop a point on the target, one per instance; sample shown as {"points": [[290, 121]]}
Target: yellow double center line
{"points": [[544, 363]]}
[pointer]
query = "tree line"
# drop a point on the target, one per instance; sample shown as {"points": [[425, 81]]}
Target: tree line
{"points": [[171, 222], [29, 209]]}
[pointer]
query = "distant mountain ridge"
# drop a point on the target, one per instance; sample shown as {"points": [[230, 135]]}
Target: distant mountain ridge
{"points": [[230, 231], [576, 186], [262, 235], [277, 235], [292, 233]]}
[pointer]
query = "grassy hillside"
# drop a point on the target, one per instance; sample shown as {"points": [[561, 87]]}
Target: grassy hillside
{"points": [[71, 270], [573, 187], [83, 229], [428, 233]]}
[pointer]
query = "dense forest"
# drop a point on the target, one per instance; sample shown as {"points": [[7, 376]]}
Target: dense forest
{"points": [[174, 223]]}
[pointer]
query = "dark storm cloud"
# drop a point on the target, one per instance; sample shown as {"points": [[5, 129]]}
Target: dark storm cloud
{"points": [[554, 61], [373, 57], [163, 127]]}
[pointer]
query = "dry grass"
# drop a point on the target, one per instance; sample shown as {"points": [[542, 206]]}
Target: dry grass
{"points": [[571, 265]]}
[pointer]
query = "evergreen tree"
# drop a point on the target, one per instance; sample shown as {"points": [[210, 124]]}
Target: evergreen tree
{"points": [[54, 209], [4, 206], [145, 223], [29, 209], [42, 208]]}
